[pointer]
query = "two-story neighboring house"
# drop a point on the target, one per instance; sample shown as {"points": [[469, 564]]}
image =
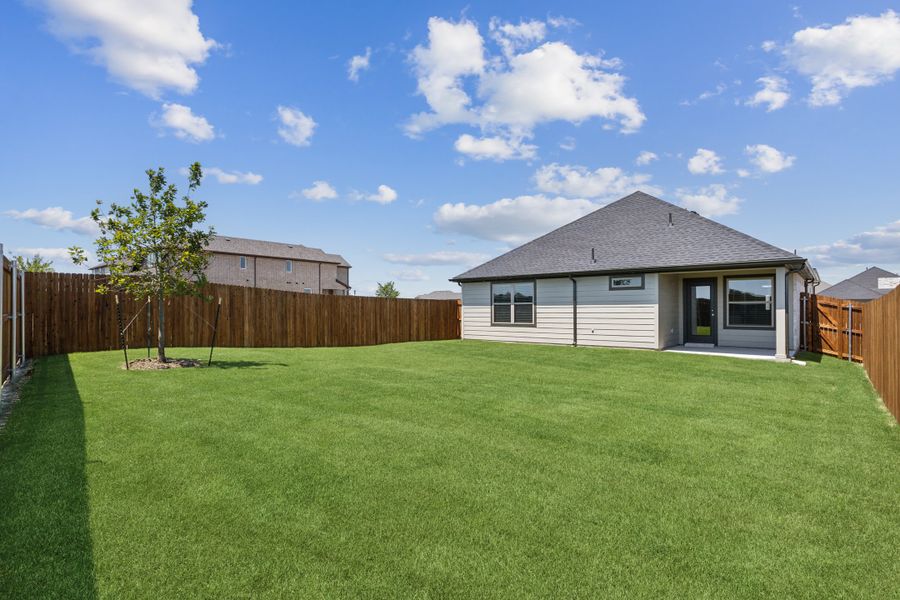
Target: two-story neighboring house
{"points": [[277, 266], [273, 265]]}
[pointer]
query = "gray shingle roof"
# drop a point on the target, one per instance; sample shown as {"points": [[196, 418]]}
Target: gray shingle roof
{"points": [[862, 286], [631, 234], [440, 295], [246, 247]]}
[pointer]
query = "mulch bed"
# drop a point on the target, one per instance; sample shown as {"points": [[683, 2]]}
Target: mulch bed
{"points": [[151, 364]]}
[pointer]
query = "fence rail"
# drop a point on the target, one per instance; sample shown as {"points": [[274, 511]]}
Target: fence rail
{"points": [[65, 314]]}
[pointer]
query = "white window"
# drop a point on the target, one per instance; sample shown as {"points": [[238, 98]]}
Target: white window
{"points": [[288, 266], [750, 302], [512, 303], [626, 282], [307, 290], [243, 262]]}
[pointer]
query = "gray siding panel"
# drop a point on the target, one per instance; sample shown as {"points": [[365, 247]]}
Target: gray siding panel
{"points": [[553, 314]]}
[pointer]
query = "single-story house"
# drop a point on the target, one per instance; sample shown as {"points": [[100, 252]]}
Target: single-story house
{"points": [[871, 284], [640, 273]]}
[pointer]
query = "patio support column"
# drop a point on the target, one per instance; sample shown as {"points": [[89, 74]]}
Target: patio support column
{"points": [[781, 324]]}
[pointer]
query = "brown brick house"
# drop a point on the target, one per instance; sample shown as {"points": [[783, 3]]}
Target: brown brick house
{"points": [[273, 265], [277, 266]]}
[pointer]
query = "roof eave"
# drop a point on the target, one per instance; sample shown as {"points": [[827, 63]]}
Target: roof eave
{"points": [[651, 269]]}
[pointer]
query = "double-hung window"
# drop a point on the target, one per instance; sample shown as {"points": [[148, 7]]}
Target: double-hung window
{"points": [[288, 266], [243, 262], [750, 302], [512, 303]]}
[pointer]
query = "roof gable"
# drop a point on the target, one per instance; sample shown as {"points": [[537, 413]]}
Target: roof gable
{"points": [[636, 233], [862, 286]]}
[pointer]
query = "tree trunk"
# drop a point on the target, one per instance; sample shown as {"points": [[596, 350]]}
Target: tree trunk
{"points": [[161, 331]]}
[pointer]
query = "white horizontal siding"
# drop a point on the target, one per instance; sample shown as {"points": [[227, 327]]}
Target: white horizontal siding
{"points": [[623, 318], [553, 314]]}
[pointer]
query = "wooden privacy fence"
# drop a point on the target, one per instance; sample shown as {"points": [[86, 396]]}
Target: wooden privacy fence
{"points": [[881, 348], [866, 332], [12, 330], [65, 314], [832, 326]]}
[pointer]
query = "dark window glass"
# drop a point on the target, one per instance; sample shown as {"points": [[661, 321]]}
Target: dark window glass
{"points": [[754, 315], [502, 313], [502, 293], [524, 313], [524, 292], [750, 290]]}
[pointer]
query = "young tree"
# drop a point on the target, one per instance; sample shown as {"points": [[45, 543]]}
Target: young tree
{"points": [[152, 246], [387, 290], [35, 264]]}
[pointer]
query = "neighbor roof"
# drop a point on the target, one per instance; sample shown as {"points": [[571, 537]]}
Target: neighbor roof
{"points": [[862, 286], [632, 234], [247, 247], [440, 295]]}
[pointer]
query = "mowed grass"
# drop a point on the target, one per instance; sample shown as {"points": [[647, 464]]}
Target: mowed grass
{"points": [[449, 469]]}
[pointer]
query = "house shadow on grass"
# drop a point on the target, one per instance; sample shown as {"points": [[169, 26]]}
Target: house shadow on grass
{"points": [[45, 540], [809, 356]]}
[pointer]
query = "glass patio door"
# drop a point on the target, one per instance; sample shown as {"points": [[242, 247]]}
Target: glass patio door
{"points": [[700, 311]]}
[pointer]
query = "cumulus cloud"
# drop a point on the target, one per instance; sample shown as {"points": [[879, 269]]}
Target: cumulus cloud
{"points": [[148, 46], [773, 93], [878, 246], [232, 177], [511, 220], [441, 257], [861, 52], [384, 195], [768, 46], [518, 88], [710, 201], [184, 124], [55, 255], [494, 148], [705, 162], [645, 158], [576, 181], [358, 63], [320, 190], [296, 128], [57, 218], [768, 159]]}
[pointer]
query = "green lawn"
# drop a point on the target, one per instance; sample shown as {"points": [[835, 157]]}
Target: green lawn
{"points": [[449, 469]]}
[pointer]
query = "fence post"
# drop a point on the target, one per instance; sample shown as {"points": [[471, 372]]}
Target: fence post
{"points": [[850, 331], [12, 329], [23, 317], [2, 307]]}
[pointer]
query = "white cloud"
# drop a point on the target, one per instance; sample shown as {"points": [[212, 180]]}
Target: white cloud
{"points": [[567, 143], [879, 246], [768, 46], [56, 217], [385, 195], [706, 95], [514, 37], [576, 181], [358, 63], [743, 173], [318, 191], [296, 127], [511, 220], [863, 51], [705, 162], [410, 275], [710, 201], [55, 255], [768, 159], [148, 46], [232, 177], [645, 158], [517, 89], [494, 148], [184, 124], [441, 257], [773, 93]]}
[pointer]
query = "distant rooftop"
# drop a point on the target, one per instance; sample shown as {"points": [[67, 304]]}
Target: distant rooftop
{"points": [[862, 286], [247, 247], [440, 295]]}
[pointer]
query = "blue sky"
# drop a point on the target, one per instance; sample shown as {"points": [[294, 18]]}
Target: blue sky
{"points": [[466, 130]]}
